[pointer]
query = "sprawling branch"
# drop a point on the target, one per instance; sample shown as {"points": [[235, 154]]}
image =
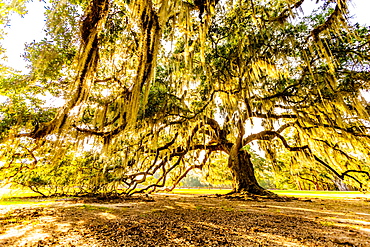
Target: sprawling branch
{"points": [[359, 131], [344, 174], [192, 167], [287, 12], [332, 19], [335, 147], [111, 133], [161, 180], [274, 116], [92, 25], [267, 134]]}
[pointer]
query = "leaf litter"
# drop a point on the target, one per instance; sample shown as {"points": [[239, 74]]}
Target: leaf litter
{"points": [[187, 220]]}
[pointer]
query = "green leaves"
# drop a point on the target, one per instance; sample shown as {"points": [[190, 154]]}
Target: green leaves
{"points": [[52, 58], [6, 10], [235, 64], [49, 60], [22, 109]]}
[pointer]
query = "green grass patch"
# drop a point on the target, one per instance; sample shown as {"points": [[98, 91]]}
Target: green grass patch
{"points": [[91, 207], [6, 202], [293, 193], [201, 191], [14, 196], [227, 208], [11, 193], [323, 194], [327, 223], [17, 201]]}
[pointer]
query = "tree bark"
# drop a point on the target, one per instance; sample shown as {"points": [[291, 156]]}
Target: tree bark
{"points": [[244, 180], [242, 170]]}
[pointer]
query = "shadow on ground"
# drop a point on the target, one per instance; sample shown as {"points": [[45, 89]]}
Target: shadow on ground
{"points": [[188, 221]]}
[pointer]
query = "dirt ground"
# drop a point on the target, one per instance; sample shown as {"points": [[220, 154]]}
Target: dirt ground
{"points": [[192, 220]]}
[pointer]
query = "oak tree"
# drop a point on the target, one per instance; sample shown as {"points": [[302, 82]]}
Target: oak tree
{"points": [[154, 89]]}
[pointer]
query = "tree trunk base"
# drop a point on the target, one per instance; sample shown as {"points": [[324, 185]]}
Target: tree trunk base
{"points": [[254, 190], [257, 194]]}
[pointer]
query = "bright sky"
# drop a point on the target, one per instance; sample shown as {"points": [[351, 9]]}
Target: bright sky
{"points": [[24, 30], [28, 28]]}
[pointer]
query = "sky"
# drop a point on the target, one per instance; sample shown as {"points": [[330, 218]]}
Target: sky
{"points": [[23, 30], [30, 27]]}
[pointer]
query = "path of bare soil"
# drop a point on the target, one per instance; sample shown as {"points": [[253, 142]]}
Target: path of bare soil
{"points": [[175, 220]]}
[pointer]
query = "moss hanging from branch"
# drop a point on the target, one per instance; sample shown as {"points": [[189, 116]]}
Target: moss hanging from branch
{"points": [[92, 25]]}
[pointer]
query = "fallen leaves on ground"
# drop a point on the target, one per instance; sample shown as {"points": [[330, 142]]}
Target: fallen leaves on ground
{"points": [[175, 220]]}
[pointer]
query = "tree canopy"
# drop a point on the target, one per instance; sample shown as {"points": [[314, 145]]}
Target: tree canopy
{"points": [[155, 89]]}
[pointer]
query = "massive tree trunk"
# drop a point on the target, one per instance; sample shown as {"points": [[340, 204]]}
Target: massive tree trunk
{"points": [[240, 164], [242, 171], [241, 167]]}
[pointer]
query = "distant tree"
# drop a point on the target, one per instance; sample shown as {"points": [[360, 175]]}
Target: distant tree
{"points": [[193, 182]]}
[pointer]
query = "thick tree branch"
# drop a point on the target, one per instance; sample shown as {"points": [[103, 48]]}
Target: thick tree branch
{"points": [[104, 134], [183, 175], [356, 171], [273, 116], [161, 180], [91, 26], [358, 131], [335, 148], [334, 17], [341, 176], [267, 134], [286, 12]]}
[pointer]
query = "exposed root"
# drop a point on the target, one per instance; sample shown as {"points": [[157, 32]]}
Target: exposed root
{"points": [[261, 195]]}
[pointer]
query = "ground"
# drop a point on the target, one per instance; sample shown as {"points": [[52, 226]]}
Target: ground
{"points": [[186, 220]]}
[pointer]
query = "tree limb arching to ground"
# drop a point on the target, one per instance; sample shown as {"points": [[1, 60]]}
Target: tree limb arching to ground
{"points": [[158, 88]]}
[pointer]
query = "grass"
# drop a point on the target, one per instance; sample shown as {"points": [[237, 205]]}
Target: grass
{"points": [[293, 193], [23, 196], [200, 191], [17, 201], [227, 208], [327, 223], [5, 202], [323, 194], [12, 193], [91, 207]]}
